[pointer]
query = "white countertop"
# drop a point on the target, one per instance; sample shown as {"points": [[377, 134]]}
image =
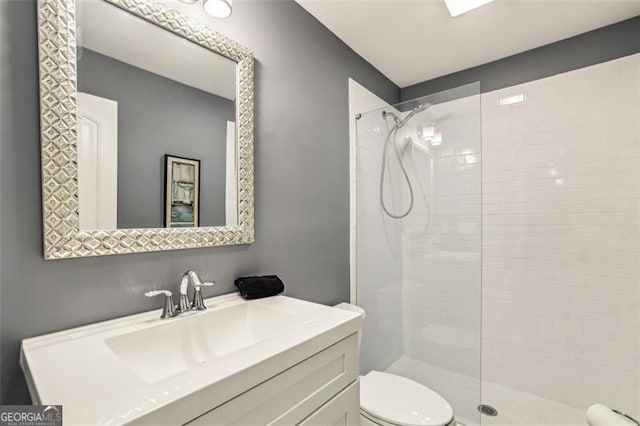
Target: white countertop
{"points": [[85, 369]]}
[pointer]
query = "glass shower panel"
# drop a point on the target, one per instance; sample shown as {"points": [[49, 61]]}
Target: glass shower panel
{"points": [[419, 276]]}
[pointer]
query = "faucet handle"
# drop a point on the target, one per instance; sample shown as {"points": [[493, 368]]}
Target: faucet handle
{"points": [[198, 301], [168, 309]]}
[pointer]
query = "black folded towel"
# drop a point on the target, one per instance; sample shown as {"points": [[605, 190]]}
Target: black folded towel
{"points": [[257, 287]]}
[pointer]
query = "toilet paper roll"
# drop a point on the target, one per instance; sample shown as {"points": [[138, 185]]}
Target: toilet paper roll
{"points": [[601, 415]]}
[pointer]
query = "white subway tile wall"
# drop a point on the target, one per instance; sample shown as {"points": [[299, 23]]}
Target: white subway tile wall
{"points": [[561, 245], [360, 100], [378, 249]]}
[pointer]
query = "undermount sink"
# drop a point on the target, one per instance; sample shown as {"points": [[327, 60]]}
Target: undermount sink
{"points": [[144, 370], [167, 349]]}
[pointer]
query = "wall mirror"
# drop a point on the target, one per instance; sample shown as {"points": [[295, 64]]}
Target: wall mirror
{"points": [[147, 130]]}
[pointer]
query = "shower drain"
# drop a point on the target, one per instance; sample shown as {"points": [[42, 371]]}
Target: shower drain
{"points": [[487, 410]]}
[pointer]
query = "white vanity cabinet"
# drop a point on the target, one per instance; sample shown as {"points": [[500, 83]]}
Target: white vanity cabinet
{"points": [[343, 409], [321, 390], [277, 360]]}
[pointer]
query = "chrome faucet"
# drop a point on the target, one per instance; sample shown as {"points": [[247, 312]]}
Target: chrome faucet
{"points": [[169, 310], [198, 302]]}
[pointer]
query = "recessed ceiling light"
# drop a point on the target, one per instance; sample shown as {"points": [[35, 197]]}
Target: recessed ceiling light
{"points": [[218, 8], [458, 7]]}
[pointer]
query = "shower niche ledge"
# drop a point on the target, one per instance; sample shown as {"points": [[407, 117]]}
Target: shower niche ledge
{"points": [[275, 360]]}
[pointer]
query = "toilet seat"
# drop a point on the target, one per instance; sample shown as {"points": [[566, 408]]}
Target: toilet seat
{"points": [[391, 400]]}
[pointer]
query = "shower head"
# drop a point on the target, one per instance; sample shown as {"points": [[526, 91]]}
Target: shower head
{"points": [[398, 122], [421, 107], [416, 110]]}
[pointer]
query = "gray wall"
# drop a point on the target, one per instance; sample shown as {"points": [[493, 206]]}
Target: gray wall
{"points": [[158, 116], [302, 184], [601, 45]]}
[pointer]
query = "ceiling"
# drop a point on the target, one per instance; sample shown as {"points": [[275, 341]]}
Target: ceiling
{"points": [[411, 41]]}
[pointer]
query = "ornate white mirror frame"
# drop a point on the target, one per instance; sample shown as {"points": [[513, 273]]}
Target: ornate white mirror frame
{"points": [[58, 126]]}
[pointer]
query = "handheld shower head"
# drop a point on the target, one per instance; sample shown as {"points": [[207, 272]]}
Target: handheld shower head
{"points": [[398, 122], [416, 110], [421, 107]]}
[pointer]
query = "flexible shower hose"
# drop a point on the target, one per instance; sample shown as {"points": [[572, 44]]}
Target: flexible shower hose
{"points": [[392, 135]]}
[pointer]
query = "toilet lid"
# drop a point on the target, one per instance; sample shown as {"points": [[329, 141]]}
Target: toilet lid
{"points": [[401, 401]]}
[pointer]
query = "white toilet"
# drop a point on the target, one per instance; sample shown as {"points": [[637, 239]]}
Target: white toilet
{"points": [[390, 400]]}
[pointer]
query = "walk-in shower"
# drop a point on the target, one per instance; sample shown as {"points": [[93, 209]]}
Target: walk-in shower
{"points": [[496, 245]]}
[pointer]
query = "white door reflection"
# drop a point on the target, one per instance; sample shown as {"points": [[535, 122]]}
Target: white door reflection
{"points": [[97, 162], [231, 191]]}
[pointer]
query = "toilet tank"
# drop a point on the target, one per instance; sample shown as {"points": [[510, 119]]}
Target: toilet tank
{"points": [[354, 308]]}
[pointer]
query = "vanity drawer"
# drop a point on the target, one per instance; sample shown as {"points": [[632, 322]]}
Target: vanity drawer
{"points": [[342, 410], [294, 394]]}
